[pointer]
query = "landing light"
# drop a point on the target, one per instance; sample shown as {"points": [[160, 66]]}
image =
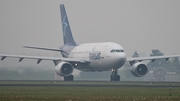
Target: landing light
{"points": [[76, 64]]}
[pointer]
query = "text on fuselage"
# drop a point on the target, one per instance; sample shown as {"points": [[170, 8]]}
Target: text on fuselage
{"points": [[95, 56]]}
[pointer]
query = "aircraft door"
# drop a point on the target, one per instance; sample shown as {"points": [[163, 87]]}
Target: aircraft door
{"points": [[103, 52]]}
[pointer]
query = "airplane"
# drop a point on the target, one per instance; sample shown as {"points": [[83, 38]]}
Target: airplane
{"points": [[89, 57]]}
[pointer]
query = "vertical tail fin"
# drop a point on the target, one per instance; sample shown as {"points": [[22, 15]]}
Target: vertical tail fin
{"points": [[67, 35]]}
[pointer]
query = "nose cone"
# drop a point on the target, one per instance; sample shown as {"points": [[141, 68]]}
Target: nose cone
{"points": [[119, 59], [122, 58]]}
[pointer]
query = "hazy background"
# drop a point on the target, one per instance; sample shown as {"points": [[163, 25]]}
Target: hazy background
{"points": [[139, 25]]}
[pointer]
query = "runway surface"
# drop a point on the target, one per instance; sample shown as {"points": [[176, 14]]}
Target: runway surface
{"points": [[88, 83]]}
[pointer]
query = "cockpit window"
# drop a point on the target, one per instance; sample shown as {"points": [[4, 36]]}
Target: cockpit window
{"points": [[112, 51], [116, 50]]}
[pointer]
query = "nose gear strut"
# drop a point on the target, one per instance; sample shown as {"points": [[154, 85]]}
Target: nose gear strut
{"points": [[114, 76]]}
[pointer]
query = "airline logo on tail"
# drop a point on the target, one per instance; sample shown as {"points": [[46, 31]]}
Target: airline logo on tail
{"points": [[67, 35], [64, 24]]}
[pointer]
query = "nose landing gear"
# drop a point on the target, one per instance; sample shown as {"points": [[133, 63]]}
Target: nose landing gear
{"points": [[114, 76]]}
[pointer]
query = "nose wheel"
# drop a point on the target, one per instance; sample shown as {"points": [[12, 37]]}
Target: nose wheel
{"points": [[114, 76]]}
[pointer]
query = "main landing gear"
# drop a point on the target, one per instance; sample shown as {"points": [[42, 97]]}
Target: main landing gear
{"points": [[68, 78], [114, 76]]}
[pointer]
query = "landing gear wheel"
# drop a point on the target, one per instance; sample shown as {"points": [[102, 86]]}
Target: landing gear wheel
{"points": [[71, 77], [118, 78], [115, 78], [68, 78]]}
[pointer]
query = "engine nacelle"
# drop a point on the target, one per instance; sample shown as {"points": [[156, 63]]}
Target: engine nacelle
{"points": [[64, 69], [139, 69]]}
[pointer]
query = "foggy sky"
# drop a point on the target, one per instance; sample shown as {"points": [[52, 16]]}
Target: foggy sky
{"points": [[139, 25]]}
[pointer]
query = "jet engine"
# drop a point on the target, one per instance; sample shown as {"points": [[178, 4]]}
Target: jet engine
{"points": [[139, 69], [64, 69]]}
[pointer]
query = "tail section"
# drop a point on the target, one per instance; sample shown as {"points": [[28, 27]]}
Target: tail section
{"points": [[67, 35]]}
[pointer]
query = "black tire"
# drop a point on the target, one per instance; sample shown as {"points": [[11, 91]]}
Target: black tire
{"points": [[65, 78], [115, 78], [111, 78], [69, 78]]}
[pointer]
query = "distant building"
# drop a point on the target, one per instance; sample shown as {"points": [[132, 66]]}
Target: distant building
{"points": [[163, 74]]}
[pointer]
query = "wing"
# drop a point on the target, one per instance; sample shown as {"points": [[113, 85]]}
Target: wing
{"points": [[153, 58], [40, 58]]}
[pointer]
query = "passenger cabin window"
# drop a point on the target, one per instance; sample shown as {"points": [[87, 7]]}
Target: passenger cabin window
{"points": [[118, 51]]}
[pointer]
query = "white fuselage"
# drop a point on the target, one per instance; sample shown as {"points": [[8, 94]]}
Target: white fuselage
{"points": [[102, 56]]}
